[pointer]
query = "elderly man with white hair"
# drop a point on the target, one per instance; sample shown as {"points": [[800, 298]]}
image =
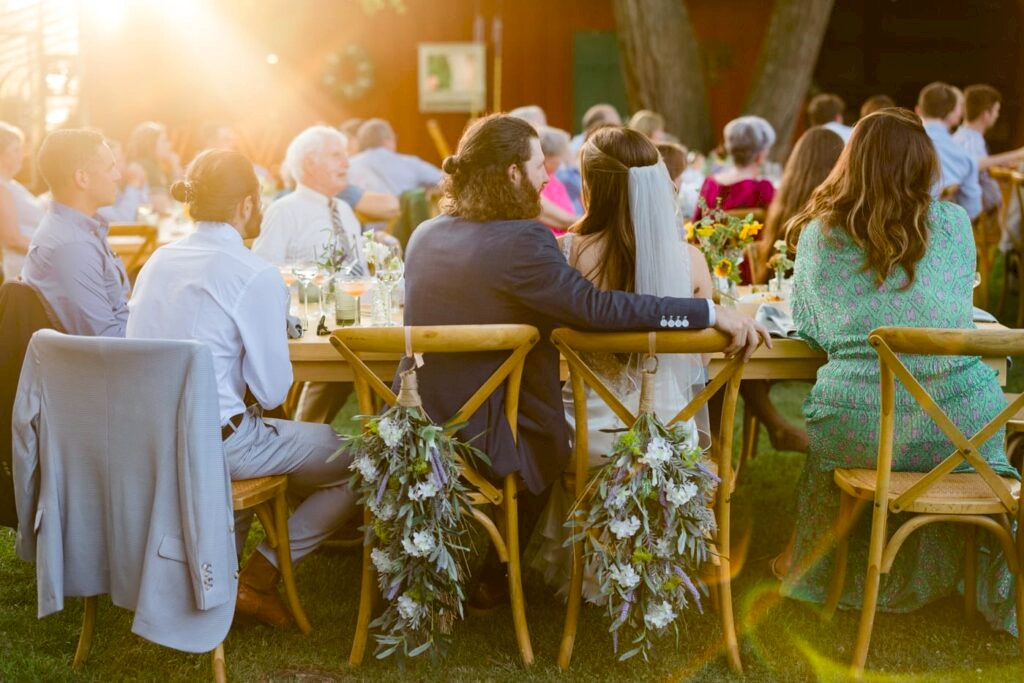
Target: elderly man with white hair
{"points": [[302, 223]]}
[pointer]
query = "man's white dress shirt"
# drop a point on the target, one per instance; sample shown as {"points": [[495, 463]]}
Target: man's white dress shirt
{"points": [[840, 129], [298, 226], [210, 288]]}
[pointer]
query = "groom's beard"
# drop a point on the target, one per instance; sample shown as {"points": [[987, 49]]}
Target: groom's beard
{"points": [[527, 198]]}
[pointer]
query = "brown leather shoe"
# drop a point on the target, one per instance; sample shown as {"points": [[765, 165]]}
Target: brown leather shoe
{"points": [[257, 594]]}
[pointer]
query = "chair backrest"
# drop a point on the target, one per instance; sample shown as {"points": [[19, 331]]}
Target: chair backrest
{"points": [[756, 213], [355, 343], [949, 192], [572, 343], [1011, 184], [143, 242], [444, 150], [889, 341]]}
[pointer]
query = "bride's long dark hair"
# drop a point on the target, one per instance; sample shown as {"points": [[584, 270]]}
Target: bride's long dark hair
{"points": [[606, 159]]}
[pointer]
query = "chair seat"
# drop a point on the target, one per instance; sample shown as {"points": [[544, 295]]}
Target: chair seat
{"points": [[246, 493], [953, 494]]}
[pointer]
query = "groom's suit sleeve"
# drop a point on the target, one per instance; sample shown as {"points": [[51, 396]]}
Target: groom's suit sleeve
{"points": [[537, 275]]}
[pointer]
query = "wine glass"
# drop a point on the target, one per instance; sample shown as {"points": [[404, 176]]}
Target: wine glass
{"points": [[389, 271], [304, 272], [353, 286]]}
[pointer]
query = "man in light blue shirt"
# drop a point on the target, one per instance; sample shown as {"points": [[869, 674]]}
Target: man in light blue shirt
{"points": [[941, 108], [69, 260], [379, 168], [826, 110]]}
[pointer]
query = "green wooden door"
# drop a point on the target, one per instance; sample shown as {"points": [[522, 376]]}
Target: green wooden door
{"points": [[596, 75]]}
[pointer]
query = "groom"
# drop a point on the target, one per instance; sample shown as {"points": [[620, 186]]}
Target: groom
{"points": [[484, 260]]}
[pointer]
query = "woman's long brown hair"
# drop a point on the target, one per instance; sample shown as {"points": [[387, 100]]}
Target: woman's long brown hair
{"points": [[606, 159], [878, 193]]}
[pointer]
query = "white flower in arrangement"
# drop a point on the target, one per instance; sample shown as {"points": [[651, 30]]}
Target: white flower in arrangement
{"points": [[659, 616], [658, 453], [384, 511], [663, 547], [624, 575], [679, 496], [384, 563], [411, 610], [390, 432], [366, 467], [423, 490], [624, 528], [374, 251], [619, 499], [421, 544]]}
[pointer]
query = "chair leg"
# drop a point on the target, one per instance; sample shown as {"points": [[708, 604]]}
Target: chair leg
{"points": [[367, 591], [1018, 592], [265, 513], [724, 586], [842, 553], [748, 440], [515, 581], [871, 583], [284, 561], [970, 572], [575, 600], [85, 637], [220, 674]]}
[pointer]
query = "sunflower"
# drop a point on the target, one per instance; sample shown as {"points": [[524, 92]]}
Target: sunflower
{"points": [[750, 230], [689, 230], [723, 268], [706, 231]]}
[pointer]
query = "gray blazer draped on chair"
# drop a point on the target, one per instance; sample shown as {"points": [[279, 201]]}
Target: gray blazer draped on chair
{"points": [[121, 483]]}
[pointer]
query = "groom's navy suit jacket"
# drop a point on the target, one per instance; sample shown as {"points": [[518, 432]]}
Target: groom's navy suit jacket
{"points": [[460, 272]]}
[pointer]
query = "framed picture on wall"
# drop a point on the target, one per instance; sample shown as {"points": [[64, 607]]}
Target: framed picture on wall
{"points": [[452, 77]]}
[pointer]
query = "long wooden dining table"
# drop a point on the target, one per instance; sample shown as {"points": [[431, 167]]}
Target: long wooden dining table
{"points": [[315, 360]]}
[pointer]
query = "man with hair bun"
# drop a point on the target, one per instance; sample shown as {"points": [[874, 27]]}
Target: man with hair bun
{"points": [[486, 260], [69, 260]]}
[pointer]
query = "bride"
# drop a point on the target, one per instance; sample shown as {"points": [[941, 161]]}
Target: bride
{"points": [[628, 239]]}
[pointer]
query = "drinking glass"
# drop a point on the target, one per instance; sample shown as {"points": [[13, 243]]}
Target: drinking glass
{"points": [[354, 286], [304, 272], [289, 282], [389, 272]]}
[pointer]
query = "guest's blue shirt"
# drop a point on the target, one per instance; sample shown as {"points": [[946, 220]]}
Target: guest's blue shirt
{"points": [[72, 266], [381, 170], [570, 177], [125, 208], [958, 168]]}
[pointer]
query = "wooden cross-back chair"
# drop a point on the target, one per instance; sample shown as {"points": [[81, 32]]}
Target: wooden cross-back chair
{"points": [[354, 343], [572, 343], [979, 499], [1011, 184], [143, 241]]}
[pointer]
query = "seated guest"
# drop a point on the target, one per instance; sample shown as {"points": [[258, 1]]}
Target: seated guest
{"points": [[686, 180], [350, 128], [69, 260], [486, 253], [208, 287], [940, 108], [150, 147], [649, 123], [874, 248], [132, 192], [874, 103], [810, 162], [826, 110], [554, 143], [378, 167], [596, 116], [20, 210], [301, 224], [981, 107], [532, 114]]}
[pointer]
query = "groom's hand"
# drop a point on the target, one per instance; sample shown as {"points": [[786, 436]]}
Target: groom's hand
{"points": [[745, 332]]}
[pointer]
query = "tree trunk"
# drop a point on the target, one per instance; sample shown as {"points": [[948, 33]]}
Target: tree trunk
{"points": [[661, 66], [786, 63]]}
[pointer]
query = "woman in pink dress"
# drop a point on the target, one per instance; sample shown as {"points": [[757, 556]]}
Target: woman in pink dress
{"points": [[739, 186], [557, 212]]}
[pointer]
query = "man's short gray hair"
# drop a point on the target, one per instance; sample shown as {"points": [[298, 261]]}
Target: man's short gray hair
{"points": [[306, 144], [374, 133], [532, 114], [746, 137], [553, 141]]}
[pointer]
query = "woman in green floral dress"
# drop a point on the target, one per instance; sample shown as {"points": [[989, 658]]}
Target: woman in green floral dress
{"points": [[874, 249]]}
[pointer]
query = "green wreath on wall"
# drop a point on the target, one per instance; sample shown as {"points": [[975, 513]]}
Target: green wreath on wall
{"points": [[349, 73]]}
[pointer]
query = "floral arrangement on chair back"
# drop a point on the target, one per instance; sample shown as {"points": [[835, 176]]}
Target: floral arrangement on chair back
{"points": [[407, 476], [646, 523], [722, 236]]}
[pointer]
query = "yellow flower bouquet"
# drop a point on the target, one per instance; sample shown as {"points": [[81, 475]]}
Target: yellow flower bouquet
{"points": [[722, 237]]}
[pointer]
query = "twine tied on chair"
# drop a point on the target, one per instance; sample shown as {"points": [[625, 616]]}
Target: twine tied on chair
{"points": [[408, 391], [647, 373]]}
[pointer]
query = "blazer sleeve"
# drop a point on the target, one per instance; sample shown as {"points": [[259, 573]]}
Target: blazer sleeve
{"points": [[538, 276], [204, 492], [25, 458]]}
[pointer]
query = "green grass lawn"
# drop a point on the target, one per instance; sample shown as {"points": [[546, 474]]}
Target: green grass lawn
{"points": [[780, 639]]}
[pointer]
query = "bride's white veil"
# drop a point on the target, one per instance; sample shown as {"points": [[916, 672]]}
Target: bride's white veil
{"points": [[663, 269]]}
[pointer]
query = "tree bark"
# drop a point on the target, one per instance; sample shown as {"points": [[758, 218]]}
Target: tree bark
{"points": [[786, 63], [662, 68]]}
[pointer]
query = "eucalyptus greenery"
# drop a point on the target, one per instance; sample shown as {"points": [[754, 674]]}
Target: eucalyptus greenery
{"points": [[407, 475], [646, 527]]}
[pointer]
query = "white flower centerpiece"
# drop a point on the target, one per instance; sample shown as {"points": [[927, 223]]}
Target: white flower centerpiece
{"points": [[406, 473], [646, 525]]}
